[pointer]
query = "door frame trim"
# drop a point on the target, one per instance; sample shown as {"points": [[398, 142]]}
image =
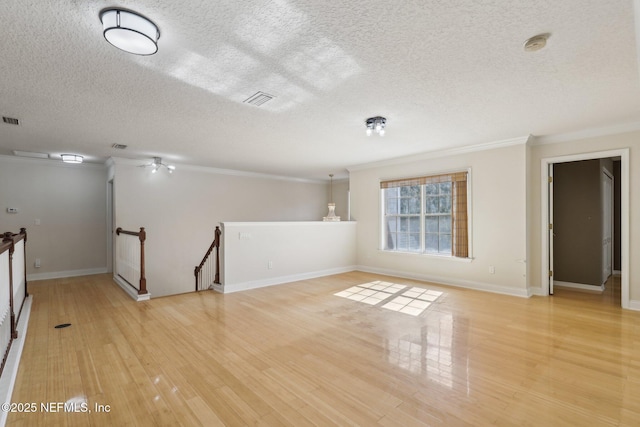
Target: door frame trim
{"points": [[624, 214]]}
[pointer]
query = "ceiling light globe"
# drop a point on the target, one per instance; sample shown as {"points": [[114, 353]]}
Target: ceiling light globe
{"points": [[130, 32], [71, 158]]}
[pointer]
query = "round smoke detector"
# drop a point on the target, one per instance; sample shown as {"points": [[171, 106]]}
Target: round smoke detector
{"points": [[536, 43]]}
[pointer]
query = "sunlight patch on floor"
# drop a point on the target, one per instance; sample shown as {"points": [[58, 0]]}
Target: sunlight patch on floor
{"points": [[411, 301]]}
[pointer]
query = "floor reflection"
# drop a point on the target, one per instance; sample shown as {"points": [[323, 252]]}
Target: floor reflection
{"points": [[431, 354]]}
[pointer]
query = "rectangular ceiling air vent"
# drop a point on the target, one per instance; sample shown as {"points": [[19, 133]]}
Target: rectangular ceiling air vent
{"points": [[119, 146], [10, 120], [258, 99]]}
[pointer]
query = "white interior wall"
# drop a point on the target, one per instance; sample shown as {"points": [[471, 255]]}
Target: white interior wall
{"points": [[260, 254], [499, 220], [180, 212], [69, 201]]}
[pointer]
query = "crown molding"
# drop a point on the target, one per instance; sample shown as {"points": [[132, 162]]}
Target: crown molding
{"points": [[444, 153], [586, 133], [219, 171], [49, 162]]}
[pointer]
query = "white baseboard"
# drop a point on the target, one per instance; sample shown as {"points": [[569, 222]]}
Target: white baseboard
{"points": [[62, 274], [10, 372], [133, 293], [537, 291], [449, 281], [580, 286], [254, 284], [634, 305]]}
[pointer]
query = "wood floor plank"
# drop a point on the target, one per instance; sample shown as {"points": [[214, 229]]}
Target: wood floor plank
{"points": [[296, 354]]}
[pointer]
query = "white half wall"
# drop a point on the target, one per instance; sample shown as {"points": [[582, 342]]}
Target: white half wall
{"points": [[257, 254], [181, 210]]}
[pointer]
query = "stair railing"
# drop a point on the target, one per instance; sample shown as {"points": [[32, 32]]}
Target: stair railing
{"points": [[208, 272], [130, 259], [13, 288]]}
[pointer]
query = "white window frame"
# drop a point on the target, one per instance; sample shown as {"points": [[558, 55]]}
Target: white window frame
{"points": [[381, 218]]}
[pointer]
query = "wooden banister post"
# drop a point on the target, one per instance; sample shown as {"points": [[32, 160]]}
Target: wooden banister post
{"points": [[217, 245], [8, 237], [23, 231], [143, 279]]}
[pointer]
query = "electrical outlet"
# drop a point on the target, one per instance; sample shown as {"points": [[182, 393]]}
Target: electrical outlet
{"points": [[270, 265], [37, 263], [492, 269]]}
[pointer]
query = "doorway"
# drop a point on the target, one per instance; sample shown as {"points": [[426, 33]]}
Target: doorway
{"points": [[547, 192]]}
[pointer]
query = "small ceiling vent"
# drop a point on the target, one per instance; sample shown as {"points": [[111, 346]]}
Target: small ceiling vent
{"points": [[119, 146], [258, 99], [10, 120]]}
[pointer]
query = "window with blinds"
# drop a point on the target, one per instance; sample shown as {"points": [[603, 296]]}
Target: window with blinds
{"points": [[427, 214]]}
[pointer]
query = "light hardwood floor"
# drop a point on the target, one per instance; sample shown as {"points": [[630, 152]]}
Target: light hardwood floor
{"points": [[297, 355]]}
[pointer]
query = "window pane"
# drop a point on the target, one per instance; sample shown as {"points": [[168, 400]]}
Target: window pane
{"points": [[445, 224], [414, 206], [403, 241], [404, 206], [445, 243], [390, 193], [431, 243], [414, 224], [431, 189], [404, 223], [392, 206], [391, 241], [392, 224], [414, 242], [410, 191], [431, 204], [445, 188], [431, 224], [445, 204]]}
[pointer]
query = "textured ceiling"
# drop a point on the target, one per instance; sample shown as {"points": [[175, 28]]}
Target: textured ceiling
{"points": [[446, 74]]}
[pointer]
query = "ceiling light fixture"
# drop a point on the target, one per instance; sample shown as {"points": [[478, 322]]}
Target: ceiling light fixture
{"points": [[71, 158], [157, 164], [376, 124], [130, 31], [536, 43]]}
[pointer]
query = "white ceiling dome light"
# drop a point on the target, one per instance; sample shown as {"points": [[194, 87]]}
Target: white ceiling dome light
{"points": [[536, 43], [130, 31], [71, 158]]}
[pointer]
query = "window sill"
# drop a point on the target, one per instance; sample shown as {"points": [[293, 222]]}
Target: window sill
{"points": [[432, 256]]}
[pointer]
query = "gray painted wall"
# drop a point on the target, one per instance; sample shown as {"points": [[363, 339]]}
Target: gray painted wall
{"points": [[70, 203], [577, 222]]}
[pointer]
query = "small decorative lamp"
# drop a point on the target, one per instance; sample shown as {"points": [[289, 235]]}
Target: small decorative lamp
{"points": [[331, 216]]}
